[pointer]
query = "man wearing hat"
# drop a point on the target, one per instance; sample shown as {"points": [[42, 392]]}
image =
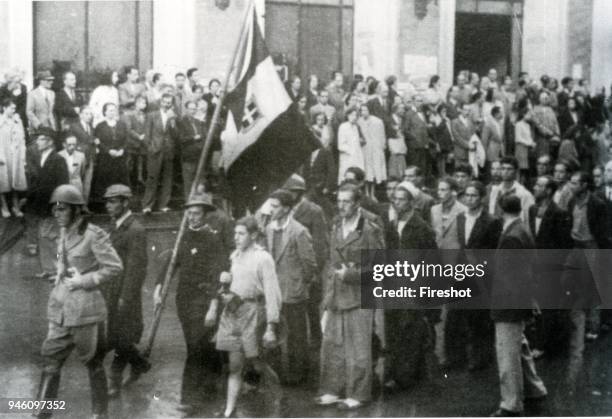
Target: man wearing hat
{"points": [[311, 216], [200, 260], [46, 171], [123, 295], [41, 103], [76, 309]]}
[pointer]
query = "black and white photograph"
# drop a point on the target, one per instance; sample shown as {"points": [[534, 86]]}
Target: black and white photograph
{"points": [[305, 208]]}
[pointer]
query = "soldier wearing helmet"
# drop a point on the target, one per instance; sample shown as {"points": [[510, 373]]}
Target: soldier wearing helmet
{"points": [[124, 293], [76, 311], [201, 258]]}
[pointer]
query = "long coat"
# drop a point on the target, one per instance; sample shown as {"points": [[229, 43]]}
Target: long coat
{"points": [[493, 139], [373, 131], [19, 97], [88, 249], [130, 242], [13, 155], [349, 146], [110, 170]]}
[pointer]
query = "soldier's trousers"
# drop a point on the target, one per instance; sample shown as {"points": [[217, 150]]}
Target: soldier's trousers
{"points": [[89, 341]]}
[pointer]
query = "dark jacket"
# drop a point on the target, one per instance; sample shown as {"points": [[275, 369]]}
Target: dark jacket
{"points": [[555, 229], [64, 106], [85, 140], [311, 216], [159, 138], [136, 126], [130, 242], [43, 180], [601, 194], [321, 173], [187, 130], [597, 219], [416, 234], [485, 233], [511, 281]]}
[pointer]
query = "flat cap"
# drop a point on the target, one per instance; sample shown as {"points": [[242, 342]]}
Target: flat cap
{"points": [[118, 190]]}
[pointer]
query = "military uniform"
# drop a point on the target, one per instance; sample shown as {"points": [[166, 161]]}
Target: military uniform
{"points": [[77, 317]]}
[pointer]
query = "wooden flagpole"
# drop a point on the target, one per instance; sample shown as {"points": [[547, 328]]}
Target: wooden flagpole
{"points": [[200, 170]]}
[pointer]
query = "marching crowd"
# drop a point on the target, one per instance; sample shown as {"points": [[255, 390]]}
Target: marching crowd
{"points": [[487, 164]]}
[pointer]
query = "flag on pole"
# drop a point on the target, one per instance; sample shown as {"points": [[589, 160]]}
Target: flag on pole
{"points": [[265, 138]]}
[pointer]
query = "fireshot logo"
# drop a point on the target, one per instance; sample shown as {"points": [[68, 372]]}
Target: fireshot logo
{"points": [[415, 271]]}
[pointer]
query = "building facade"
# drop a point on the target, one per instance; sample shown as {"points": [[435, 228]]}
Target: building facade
{"points": [[412, 39]]}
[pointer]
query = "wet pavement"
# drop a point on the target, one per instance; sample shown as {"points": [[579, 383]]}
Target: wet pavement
{"points": [[456, 393]]}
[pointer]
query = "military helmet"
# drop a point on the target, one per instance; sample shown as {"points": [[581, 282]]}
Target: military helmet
{"points": [[200, 199], [118, 190], [68, 194], [295, 183]]}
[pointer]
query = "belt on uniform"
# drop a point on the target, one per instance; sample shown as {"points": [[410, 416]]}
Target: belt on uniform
{"points": [[259, 299]]}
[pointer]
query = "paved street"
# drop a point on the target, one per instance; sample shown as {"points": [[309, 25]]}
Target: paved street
{"points": [[459, 393]]}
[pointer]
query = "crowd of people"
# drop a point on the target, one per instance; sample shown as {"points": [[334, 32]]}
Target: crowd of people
{"points": [[488, 164]]}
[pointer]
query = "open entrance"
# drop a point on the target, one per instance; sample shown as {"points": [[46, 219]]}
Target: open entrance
{"points": [[482, 42]]}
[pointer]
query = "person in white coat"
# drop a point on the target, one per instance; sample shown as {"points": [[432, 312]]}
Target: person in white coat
{"points": [[12, 158], [373, 131], [350, 144]]}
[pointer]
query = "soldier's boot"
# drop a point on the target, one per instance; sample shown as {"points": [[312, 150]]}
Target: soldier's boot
{"points": [[114, 383], [47, 390], [99, 391]]}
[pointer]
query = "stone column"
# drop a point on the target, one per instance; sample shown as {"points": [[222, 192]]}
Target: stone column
{"points": [[17, 32], [174, 36], [545, 32], [446, 54], [601, 65]]}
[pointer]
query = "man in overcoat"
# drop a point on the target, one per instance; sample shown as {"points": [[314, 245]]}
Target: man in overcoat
{"points": [[124, 294]]}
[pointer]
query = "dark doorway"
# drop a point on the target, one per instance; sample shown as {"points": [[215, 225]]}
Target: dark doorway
{"points": [[482, 42]]}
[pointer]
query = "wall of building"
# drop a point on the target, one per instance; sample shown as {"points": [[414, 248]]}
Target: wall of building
{"points": [[16, 32], [545, 34], [601, 51], [579, 41], [376, 45]]}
